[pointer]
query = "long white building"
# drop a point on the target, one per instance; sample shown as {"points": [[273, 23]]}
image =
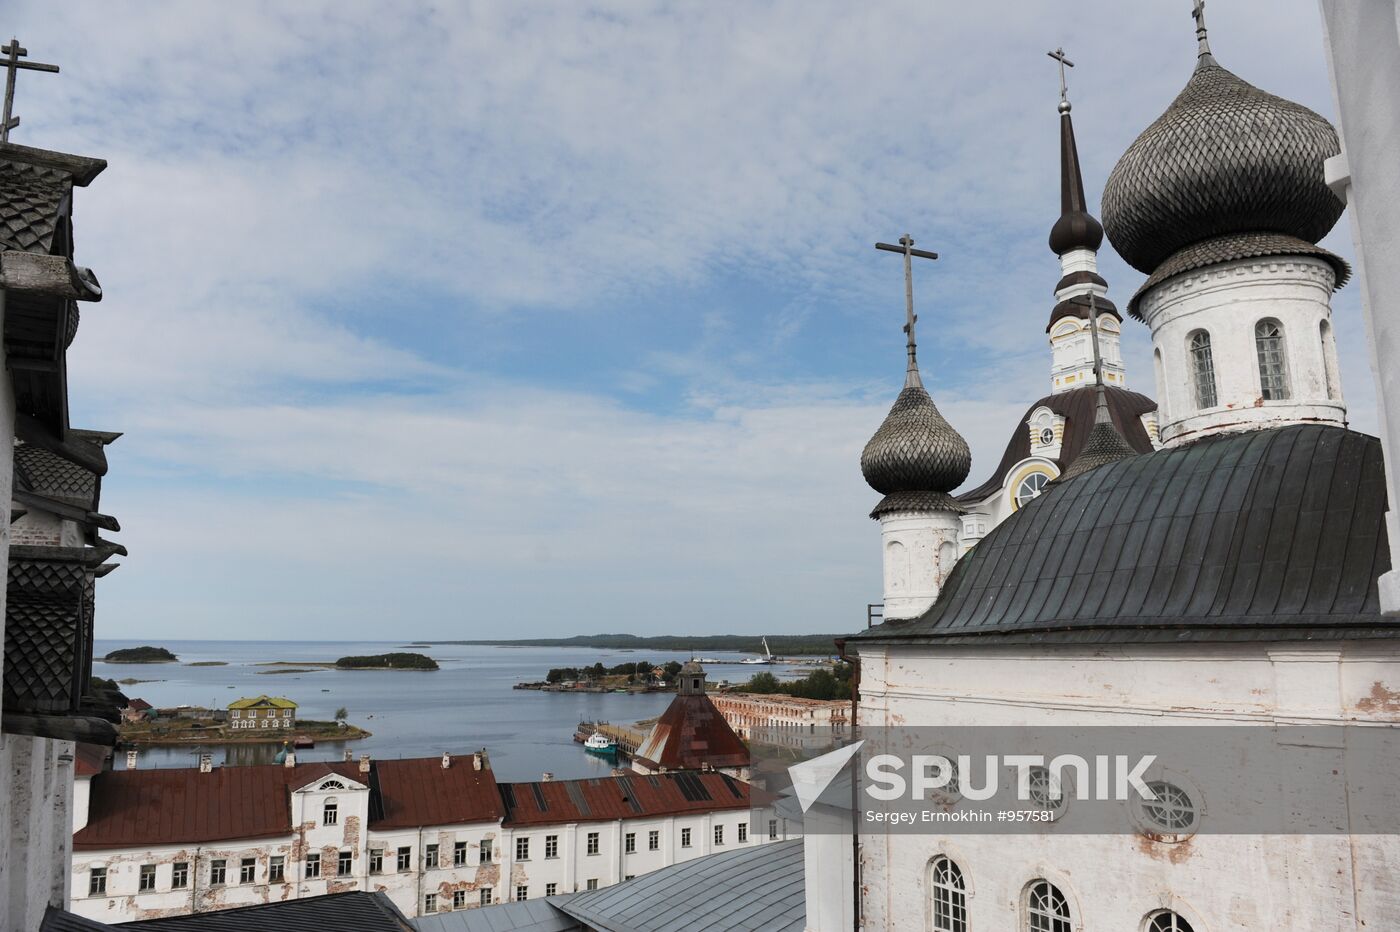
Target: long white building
{"points": [[435, 834]]}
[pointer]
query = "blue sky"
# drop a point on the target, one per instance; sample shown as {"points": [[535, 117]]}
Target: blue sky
{"points": [[529, 319]]}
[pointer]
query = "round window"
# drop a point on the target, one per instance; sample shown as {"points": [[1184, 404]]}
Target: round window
{"points": [[1047, 436], [1030, 487], [1046, 791], [1172, 812]]}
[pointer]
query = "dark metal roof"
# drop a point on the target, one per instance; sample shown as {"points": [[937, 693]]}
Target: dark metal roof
{"points": [[1105, 445], [357, 911], [759, 887], [915, 449], [1078, 306], [542, 915], [1077, 408], [1076, 228], [1237, 246], [1277, 530], [1225, 157]]}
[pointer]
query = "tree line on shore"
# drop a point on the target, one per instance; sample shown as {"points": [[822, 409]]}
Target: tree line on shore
{"points": [[834, 683]]}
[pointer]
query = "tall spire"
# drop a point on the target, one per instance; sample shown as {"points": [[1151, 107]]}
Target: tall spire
{"points": [[906, 248], [1203, 55], [1075, 229]]}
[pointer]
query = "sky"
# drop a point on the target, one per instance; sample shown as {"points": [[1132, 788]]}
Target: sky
{"points": [[493, 320]]}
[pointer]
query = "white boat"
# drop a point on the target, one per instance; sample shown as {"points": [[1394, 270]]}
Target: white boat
{"points": [[766, 658], [600, 743]]}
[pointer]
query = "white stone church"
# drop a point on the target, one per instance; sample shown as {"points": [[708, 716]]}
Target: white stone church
{"points": [[1213, 558]]}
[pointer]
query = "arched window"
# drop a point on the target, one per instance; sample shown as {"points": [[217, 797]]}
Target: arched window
{"points": [[1030, 488], [1273, 362], [949, 897], [1167, 921], [1047, 910], [1172, 812], [330, 813], [1324, 332], [1202, 369]]}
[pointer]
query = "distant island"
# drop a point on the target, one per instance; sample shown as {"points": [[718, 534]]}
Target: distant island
{"points": [[145, 654], [395, 661], [784, 645]]}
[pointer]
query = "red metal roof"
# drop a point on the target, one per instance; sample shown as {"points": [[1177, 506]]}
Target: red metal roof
{"points": [[90, 759], [184, 806], [140, 705], [692, 734], [625, 797], [180, 806], [420, 792]]}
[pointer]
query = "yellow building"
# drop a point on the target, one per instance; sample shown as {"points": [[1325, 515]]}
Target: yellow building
{"points": [[262, 712]]}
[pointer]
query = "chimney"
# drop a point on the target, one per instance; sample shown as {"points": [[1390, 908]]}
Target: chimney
{"points": [[364, 763], [206, 763], [291, 759], [548, 776], [349, 756], [131, 759], [479, 761], [446, 761]]}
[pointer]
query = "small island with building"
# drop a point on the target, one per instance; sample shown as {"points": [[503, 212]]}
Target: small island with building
{"points": [[245, 720], [145, 654]]}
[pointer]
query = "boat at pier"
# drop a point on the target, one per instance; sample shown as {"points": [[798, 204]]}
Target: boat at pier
{"points": [[599, 743], [767, 657]]}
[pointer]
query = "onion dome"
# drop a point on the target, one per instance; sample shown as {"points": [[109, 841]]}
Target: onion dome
{"points": [[1075, 229], [916, 457], [1225, 158], [1105, 445]]}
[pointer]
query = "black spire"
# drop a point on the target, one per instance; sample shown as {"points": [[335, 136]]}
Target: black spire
{"points": [[1075, 229]]}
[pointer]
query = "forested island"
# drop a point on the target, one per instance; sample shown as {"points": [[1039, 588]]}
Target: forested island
{"points": [[821, 645], [146, 654], [395, 661]]}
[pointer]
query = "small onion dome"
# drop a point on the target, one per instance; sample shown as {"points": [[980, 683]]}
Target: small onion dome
{"points": [[1078, 306], [915, 449], [1224, 158], [1103, 446]]}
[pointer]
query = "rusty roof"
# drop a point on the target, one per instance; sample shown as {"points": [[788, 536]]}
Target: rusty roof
{"points": [[692, 734], [604, 799], [90, 759], [419, 791]]}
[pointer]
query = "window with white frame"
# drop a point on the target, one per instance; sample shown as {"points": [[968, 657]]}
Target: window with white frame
{"points": [[522, 892], [592, 842], [330, 813], [685, 838], [1047, 910], [459, 899], [218, 872], [1030, 488], [430, 856], [654, 840], [97, 881], [1167, 921], [592, 883], [247, 870], [719, 834], [430, 902], [1172, 812], [484, 897], [147, 880], [550, 889], [344, 863], [485, 851], [522, 849], [1273, 360], [277, 868], [459, 853], [629, 843], [313, 866], [743, 832], [772, 829], [1202, 368], [949, 896], [405, 859], [551, 846], [1045, 790], [376, 860], [179, 875]]}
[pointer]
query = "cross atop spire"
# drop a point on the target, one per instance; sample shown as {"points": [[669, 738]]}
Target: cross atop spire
{"points": [[1198, 12], [1059, 56], [11, 63], [906, 246]]}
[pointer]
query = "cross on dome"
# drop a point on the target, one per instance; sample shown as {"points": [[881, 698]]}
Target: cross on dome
{"points": [[11, 63]]}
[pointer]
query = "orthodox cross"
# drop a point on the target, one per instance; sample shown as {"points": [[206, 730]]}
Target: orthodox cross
{"points": [[1059, 56], [1198, 12], [12, 65], [906, 247]]}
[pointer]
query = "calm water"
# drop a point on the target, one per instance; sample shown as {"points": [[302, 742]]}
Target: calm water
{"points": [[467, 705]]}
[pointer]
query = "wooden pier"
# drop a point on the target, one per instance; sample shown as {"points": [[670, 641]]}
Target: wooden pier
{"points": [[628, 739]]}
